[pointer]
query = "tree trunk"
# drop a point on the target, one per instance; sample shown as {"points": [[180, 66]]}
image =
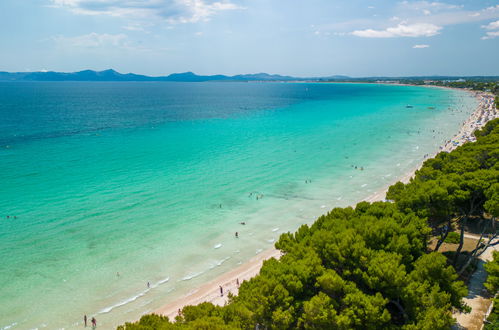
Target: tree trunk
{"points": [[443, 236], [477, 253], [461, 241], [400, 308], [473, 253]]}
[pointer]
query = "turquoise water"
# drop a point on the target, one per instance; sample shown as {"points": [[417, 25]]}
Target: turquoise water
{"points": [[151, 181]]}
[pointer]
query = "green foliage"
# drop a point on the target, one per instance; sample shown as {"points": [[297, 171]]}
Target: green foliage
{"points": [[453, 238], [492, 203], [489, 86], [492, 322], [147, 322], [492, 268]]}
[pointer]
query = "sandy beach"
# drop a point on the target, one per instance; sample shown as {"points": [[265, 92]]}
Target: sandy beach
{"points": [[210, 292]]}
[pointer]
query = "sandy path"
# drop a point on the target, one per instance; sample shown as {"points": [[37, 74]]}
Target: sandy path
{"points": [[477, 296]]}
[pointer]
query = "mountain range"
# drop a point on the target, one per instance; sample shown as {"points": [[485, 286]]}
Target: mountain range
{"points": [[112, 75]]}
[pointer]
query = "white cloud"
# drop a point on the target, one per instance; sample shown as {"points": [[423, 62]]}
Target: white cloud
{"points": [[491, 35], [407, 18], [401, 30], [441, 14], [454, 15], [491, 26], [427, 5], [92, 40], [171, 11], [420, 46]]}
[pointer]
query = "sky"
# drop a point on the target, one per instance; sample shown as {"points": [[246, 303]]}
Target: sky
{"points": [[305, 38]]}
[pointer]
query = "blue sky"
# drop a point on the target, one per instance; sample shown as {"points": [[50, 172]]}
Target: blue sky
{"points": [[293, 37]]}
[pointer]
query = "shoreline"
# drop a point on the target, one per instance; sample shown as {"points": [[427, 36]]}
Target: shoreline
{"points": [[210, 291]]}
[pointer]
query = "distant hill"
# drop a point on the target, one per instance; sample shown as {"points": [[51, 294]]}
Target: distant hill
{"points": [[263, 77], [191, 77], [112, 75]]}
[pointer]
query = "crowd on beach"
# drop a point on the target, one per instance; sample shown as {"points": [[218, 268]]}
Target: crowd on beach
{"points": [[485, 112]]}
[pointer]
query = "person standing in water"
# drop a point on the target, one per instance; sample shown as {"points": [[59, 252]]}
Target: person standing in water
{"points": [[237, 235], [85, 320], [94, 323]]}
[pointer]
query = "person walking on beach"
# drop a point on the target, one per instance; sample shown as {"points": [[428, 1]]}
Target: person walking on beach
{"points": [[221, 291], [237, 282], [85, 320], [94, 323]]}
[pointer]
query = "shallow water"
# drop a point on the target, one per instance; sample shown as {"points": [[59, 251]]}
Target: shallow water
{"points": [[151, 181]]}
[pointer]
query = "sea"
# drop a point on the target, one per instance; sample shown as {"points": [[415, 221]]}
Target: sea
{"points": [[108, 186]]}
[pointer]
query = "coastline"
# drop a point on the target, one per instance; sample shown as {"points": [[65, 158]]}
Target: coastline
{"points": [[210, 291]]}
